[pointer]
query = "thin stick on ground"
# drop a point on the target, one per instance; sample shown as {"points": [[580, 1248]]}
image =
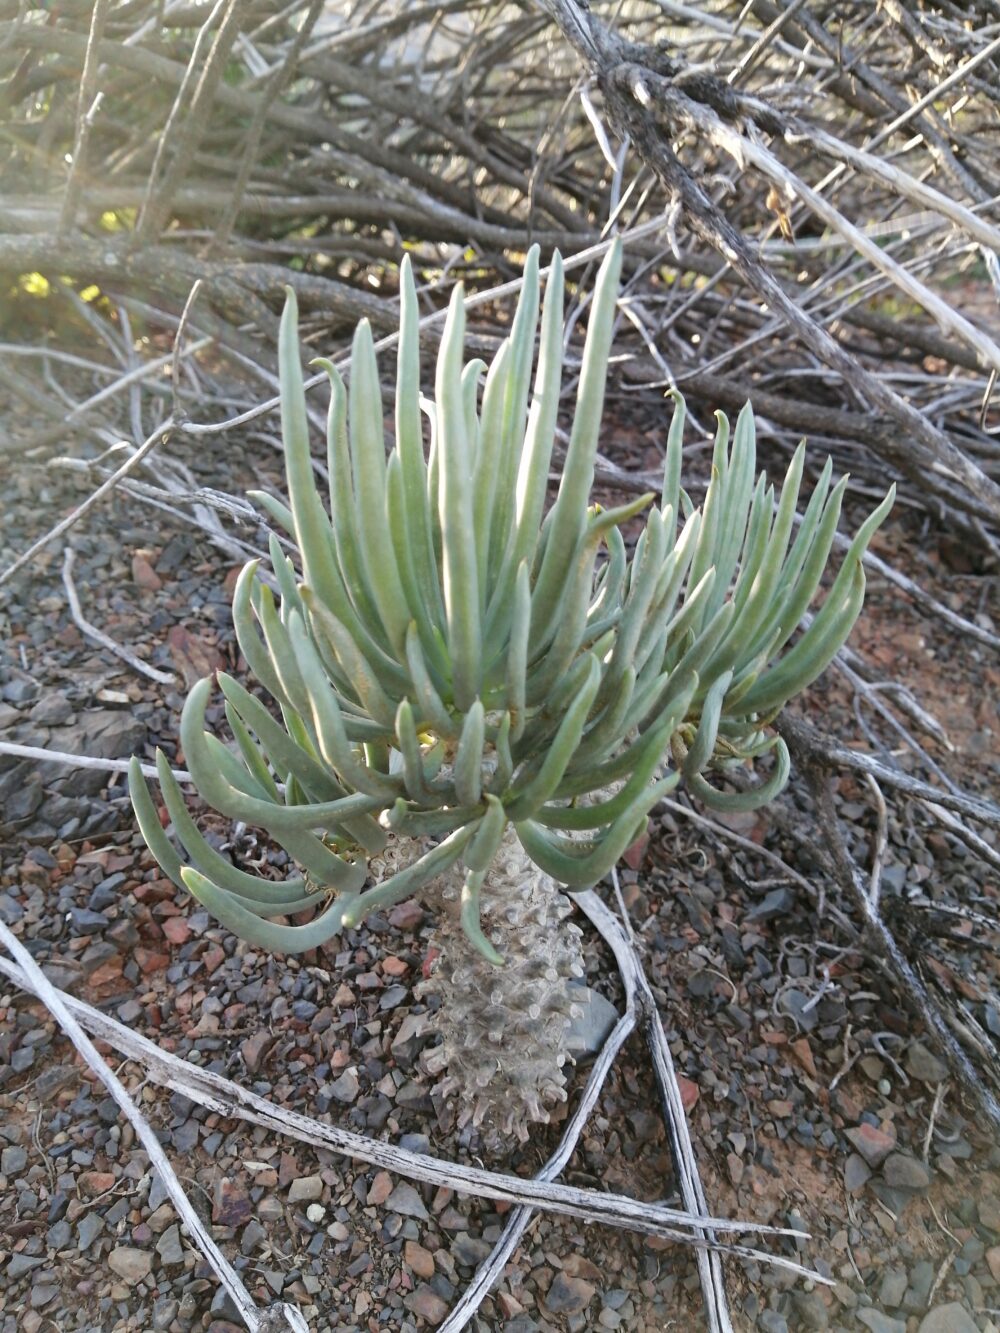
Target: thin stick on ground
{"points": [[98, 636], [92, 762]]}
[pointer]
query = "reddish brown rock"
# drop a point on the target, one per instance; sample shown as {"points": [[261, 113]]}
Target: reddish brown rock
{"points": [[407, 915], [231, 1206], [509, 1307], [418, 1260], [872, 1143], [803, 1053], [151, 961], [255, 1048], [690, 1092], [93, 1183], [176, 929], [213, 958], [578, 1265], [426, 1303], [380, 1188], [144, 575], [108, 973], [194, 656]]}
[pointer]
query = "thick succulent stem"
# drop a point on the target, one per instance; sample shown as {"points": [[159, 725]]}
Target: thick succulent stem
{"points": [[502, 1030]]}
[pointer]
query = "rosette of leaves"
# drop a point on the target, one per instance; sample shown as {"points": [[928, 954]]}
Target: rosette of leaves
{"points": [[453, 665]]}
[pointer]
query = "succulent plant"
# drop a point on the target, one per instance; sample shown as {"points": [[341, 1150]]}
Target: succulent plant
{"points": [[458, 669]]}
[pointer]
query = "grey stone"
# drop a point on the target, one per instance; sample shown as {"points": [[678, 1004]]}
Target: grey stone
{"points": [[20, 794], [901, 1171], [893, 1287], [973, 1291], [13, 1160], [588, 1033], [346, 1088], [42, 1293], [847, 1296], [415, 1142], [88, 1229], [895, 1200], [918, 1292], [60, 1236], [795, 1002], [52, 710], [569, 1295], [811, 1311], [82, 921], [772, 1322], [470, 1250], [924, 1064], [224, 1307], [106, 893], [253, 1234], [185, 1136], [107, 733], [305, 1189], [164, 1313], [130, 1264], [857, 1173], [405, 1200], [952, 1318], [21, 1264], [169, 1246], [157, 1190], [20, 690], [11, 910], [779, 902], [410, 1037], [878, 1322]]}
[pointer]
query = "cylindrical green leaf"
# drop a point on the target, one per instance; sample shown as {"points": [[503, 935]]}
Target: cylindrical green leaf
{"points": [[470, 917], [264, 934], [468, 774], [461, 578], [570, 507]]}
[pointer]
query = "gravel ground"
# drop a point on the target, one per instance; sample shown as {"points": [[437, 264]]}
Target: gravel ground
{"points": [[810, 1092]]}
